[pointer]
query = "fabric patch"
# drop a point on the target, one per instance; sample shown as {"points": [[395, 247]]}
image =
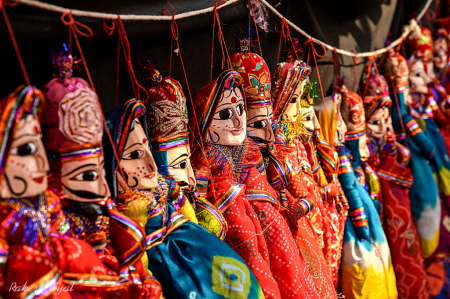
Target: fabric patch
{"points": [[230, 277]]}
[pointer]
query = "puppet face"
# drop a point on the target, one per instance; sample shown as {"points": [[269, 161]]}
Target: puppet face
{"points": [[259, 123], [440, 49], [293, 109], [84, 180], [180, 166], [363, 148], [308, 118], [397, 69], [341, 129], [228, 126], [379, 122], [27, 164], [137, 163], [418, 78]]}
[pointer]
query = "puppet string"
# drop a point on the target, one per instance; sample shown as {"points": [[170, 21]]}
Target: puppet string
{"points": [[71, 23], [13, 39]]}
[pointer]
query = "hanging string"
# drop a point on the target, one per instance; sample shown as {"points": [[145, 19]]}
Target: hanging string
{"points": [[13, 38], [356, 61], [175, 35], [256, 26], [73, 29], [314, 52], [110, 30]]}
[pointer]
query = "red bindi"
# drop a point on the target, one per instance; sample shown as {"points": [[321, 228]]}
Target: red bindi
{"points": [[233, 100], [144, 141]]}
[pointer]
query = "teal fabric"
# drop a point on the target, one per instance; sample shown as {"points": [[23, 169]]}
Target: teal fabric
{"points": [[190, 262]]}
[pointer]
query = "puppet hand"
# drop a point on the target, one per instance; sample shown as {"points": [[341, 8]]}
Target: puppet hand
{"points": [[151, 289]]}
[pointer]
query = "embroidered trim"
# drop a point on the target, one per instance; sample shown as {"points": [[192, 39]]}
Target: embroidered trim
{"points": [[359, 217], [227, 198], [345, 165]]}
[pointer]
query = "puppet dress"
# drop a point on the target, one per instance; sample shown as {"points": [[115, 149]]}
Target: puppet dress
{"points": [[186, 259], [390, 161], [366, 269]]}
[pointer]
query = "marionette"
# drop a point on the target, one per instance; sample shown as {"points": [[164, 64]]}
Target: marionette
{"points": [[389, 160], [187, 260], [37, 259], [425, 206], [424, 108], [324, 163], [256, 84], [167, 121], [366, 267], [72, 134], [288, 81]]}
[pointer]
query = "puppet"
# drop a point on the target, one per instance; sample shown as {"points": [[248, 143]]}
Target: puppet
{"points": [[189, 261], [389, 160], [257, 84], [72, 130], [367, 270], [167, 124]]}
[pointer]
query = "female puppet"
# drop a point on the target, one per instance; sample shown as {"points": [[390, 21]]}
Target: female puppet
{"points": [[425, 206], [389, 159], [324, 165], [367, 270], [288, 81], [256, 83], [72, 134], [37, 259], [167, 124], [189, 261]]}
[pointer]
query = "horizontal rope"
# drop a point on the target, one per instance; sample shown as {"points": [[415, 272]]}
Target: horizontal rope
{"points": [[101, 15], [92, 14]]}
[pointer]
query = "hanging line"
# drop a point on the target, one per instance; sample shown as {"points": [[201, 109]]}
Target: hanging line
{"points": [[125, 45], [74, 29], [251, 15], [13, 38], [222, 44], [175, 35], [356, 61], [110, 30]]}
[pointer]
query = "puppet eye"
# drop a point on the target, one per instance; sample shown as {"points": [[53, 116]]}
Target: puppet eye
{"points": [[183, 164], [260, 124], [240, 109], [225, 114], [26, 149], [88, 176], [134, 155]]}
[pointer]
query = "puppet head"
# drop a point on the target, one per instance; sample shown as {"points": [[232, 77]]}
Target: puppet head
{"points": [[220, 111], [377, 105], [420, 47], [418, 77], [72, 130], [167, 124], [307, 116], [256, 84], [440, 49], [288, 82], [23, 161], [352, 110], [395, 71], [137, 168]]}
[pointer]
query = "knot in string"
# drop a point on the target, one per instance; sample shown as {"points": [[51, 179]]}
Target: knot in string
{"points": [[75, 24], [109, 29], [173, 23], [284, 30], [7, 3]]}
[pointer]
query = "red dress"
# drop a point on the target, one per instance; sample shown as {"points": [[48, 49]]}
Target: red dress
{"points": [[389, 162], [256, 228]]}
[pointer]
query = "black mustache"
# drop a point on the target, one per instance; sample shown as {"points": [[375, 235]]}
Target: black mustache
{"points": [[183, 184], [85, 194]]}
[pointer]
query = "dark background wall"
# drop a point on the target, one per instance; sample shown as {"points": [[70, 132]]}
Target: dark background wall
{"points": [[348, 24]]}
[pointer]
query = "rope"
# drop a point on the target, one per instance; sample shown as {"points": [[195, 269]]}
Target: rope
{"points": [[92, 14]]}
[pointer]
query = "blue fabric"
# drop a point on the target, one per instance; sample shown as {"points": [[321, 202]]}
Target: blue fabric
{"points": [[190, 262]]}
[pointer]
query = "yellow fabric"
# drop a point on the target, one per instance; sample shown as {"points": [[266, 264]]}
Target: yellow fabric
{"points": [[188, 211], [328, 123], [144, 260]]}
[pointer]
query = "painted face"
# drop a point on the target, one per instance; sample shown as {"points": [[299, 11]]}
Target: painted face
{"points": [[259, 123], [341, 129], [27, 164], [228, 126], [440, 49], [363, 148], [418, 78], [137, 163], [397, 69], [293, 109], [180, 166], [379, 122], [308, 118]]}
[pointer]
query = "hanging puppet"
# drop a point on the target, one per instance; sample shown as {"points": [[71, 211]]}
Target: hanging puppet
{"points": [[72, 133], [389, 160], [256, 84], [189, 261], [367, 270], [425, 109], [288, 81], [167, 124]]}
